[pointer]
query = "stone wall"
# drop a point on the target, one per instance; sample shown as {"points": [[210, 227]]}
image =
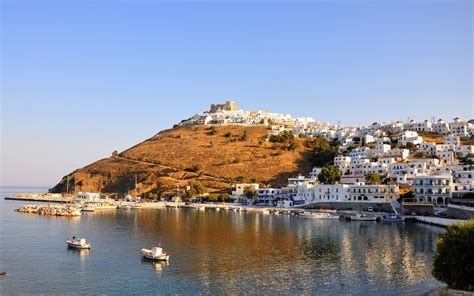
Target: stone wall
{"points": [[419, 209], [460, 212], [355, 206]]}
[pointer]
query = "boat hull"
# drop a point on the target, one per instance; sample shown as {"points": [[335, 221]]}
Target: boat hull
{"points": [[81, 247], [164, 257]]}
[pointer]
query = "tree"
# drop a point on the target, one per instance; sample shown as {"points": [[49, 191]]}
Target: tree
{"points": [[324, 151], [250, 191], [410, 145], [329, 175], [373, 178], [454, 258], [199, 188]]}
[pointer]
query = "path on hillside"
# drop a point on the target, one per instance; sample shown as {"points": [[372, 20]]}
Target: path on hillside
{"points": [[221, 179]]}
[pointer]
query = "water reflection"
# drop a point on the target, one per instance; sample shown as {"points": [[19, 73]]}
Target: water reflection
{"points": [[229, 252]]}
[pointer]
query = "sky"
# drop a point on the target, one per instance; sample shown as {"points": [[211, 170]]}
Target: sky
{"points": [[80, 79]]}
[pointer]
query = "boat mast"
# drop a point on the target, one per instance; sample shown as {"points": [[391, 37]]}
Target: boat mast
{"points": [[135, 185]]}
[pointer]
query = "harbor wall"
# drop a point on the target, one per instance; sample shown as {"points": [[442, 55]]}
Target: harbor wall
{"points": [[460, 212], [355, 206]]}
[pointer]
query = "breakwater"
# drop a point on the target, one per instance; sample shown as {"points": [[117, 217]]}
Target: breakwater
{"points": [[51, 210]]}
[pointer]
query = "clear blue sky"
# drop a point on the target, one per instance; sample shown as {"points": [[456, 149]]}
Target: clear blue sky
{"points": [[80, 79]]}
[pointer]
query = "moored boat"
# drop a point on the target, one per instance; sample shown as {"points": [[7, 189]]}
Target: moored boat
{"points": [[392, 218], [156, 253], [364, 217], [319, 215], [88, 208], [80, 243]]}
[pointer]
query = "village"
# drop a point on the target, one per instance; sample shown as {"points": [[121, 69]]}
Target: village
{"points": [[421, 167]]}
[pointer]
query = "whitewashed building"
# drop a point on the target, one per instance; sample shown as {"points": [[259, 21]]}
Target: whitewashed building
{"points": [[436, 189]]}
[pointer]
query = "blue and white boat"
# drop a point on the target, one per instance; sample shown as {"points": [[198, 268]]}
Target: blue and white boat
{"points": [[392, 218]]}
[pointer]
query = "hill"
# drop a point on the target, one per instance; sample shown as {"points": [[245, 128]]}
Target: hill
{"points": [[215, 156]]}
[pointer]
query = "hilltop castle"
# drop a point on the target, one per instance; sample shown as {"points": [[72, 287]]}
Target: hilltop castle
{"points": [[228, 106]]}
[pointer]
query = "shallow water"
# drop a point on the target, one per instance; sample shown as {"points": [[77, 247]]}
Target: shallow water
{"points": [[213, 253]]}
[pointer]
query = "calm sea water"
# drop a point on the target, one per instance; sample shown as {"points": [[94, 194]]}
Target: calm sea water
{"points": [[212, 253]]}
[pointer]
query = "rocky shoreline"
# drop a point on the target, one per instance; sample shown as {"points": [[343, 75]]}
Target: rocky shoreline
{"points": [[51, 210]]}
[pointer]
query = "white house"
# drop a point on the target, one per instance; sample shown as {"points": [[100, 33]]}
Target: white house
{"points": [[328, 192], [460, 128], [240, 188], [359, 152], [373, 193], [353, 179], [441, 127], [436, 189], [401, 153], [410, 137], [451, 140]]}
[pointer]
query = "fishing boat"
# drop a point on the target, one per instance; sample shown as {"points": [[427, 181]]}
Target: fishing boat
{"points": [[80, 243], [156, 253], [319, 215], [364, 217], [88, 208], [392, 218]]}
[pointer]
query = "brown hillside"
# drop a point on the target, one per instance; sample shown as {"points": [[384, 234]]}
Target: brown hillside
{"points": [[185, 155]]}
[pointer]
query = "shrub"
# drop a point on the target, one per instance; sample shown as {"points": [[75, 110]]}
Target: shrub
{"points": [[228, 135], [245, 136], [213, 131], [454, 258], [196, 168]]}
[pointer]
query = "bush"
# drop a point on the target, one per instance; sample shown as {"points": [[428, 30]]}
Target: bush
{"points": [[213, 131], [245, 136], [196, 168], [228, 135], [454, 258]]}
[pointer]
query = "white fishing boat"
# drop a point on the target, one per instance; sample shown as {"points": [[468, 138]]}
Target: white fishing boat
{"points": [[364, 217], [156, 253], [319, 215], [88, 208], [80, 243]]}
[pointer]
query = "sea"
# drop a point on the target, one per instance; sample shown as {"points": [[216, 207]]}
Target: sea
{"points": [[212, 252]]}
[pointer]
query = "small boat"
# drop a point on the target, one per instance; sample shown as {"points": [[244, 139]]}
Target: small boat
{"points": [[202, 208], [78, 243], [321, 216], [392, 218], [88, 208], [364, 217], [218, 209], [156, 253]]}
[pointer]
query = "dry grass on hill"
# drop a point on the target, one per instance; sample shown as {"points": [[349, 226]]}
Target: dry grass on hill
{"points": [[215, 157]]}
